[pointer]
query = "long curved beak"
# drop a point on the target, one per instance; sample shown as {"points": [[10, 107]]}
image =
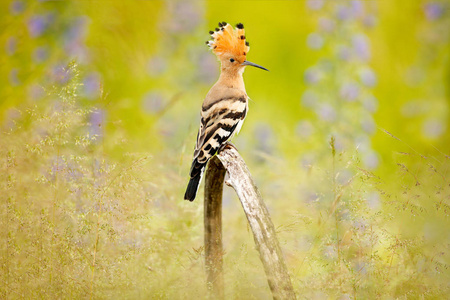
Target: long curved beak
{"points": [[247, 63]]}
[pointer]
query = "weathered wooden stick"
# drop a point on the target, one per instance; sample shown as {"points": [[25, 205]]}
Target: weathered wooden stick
{"points": [[257, 215], [214, 178]]}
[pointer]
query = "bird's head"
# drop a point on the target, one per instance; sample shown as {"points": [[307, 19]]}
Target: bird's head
{"points": [[231, 47]]}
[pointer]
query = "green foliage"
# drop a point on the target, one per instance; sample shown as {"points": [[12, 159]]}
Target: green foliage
{"points": [[370, 236], [74, 224]]}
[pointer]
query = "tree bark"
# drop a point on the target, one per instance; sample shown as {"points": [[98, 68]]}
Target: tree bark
{"points": [[215, 175], [257, 215]]}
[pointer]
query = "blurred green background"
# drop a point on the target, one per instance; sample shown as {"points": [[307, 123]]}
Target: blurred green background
{"points": [[347, 138]]}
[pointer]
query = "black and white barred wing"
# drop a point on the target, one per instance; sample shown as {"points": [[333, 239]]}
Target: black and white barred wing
{"points": [[220, 121]]}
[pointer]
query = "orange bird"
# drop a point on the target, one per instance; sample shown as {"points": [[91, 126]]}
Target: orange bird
{"points": [[226, 104]]}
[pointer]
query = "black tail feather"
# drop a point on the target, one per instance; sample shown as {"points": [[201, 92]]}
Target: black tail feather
{"points": [[196, 173], [192, 187]]}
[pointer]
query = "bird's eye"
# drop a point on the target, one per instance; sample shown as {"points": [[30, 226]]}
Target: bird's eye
{"points": [[232, 59]]}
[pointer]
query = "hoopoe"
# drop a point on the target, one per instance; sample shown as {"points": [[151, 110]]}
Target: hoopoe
{"points": [[226, 104]]}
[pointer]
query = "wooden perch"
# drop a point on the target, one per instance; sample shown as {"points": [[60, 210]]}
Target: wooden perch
{"points": [[215, 175], [257, 215]]}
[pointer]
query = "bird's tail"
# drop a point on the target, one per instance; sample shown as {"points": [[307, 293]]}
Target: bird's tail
{"points": [[197, 170], [192, 188]]}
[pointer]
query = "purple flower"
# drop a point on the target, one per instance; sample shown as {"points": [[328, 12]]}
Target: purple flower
{"points": [[363, 143], [60, 75], [312, 75], [368, 125], [307, 160], [56, 106], [371, 160], [360, 267], [339, 141], [37, 25], [361, 46], [370, 103], [373, 200], [330, 253], [40, 54], [185, 16], [11, 45], [343, 12], [433, 10], [315, 4], [357, 8], [207, 69], [343, 52], [78, 29], [349, 91], [326, 24], [304, 129], [11, 116], [369, 21], [14, 77], [153, 102], [368, 77], [156, 66], [76, 49], [433, 128], [345, 297], [97, 122], [315, 41], [91, 85], [16, 7], [326, 112], [343, 176], [309, 99], [58, 165], [73, 39], [264, 135], [36, 92]]}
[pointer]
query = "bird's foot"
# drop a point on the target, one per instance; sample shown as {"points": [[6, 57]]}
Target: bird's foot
{"points": [[226, 144]]}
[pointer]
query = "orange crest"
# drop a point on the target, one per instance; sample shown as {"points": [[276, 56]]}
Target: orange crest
{"points": [[226, 40]]}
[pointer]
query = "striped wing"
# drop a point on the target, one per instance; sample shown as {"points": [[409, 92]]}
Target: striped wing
{"points": [[220, 121]]}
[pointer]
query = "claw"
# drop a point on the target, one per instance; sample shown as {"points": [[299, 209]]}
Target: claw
{"points": [[226, 144]]}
